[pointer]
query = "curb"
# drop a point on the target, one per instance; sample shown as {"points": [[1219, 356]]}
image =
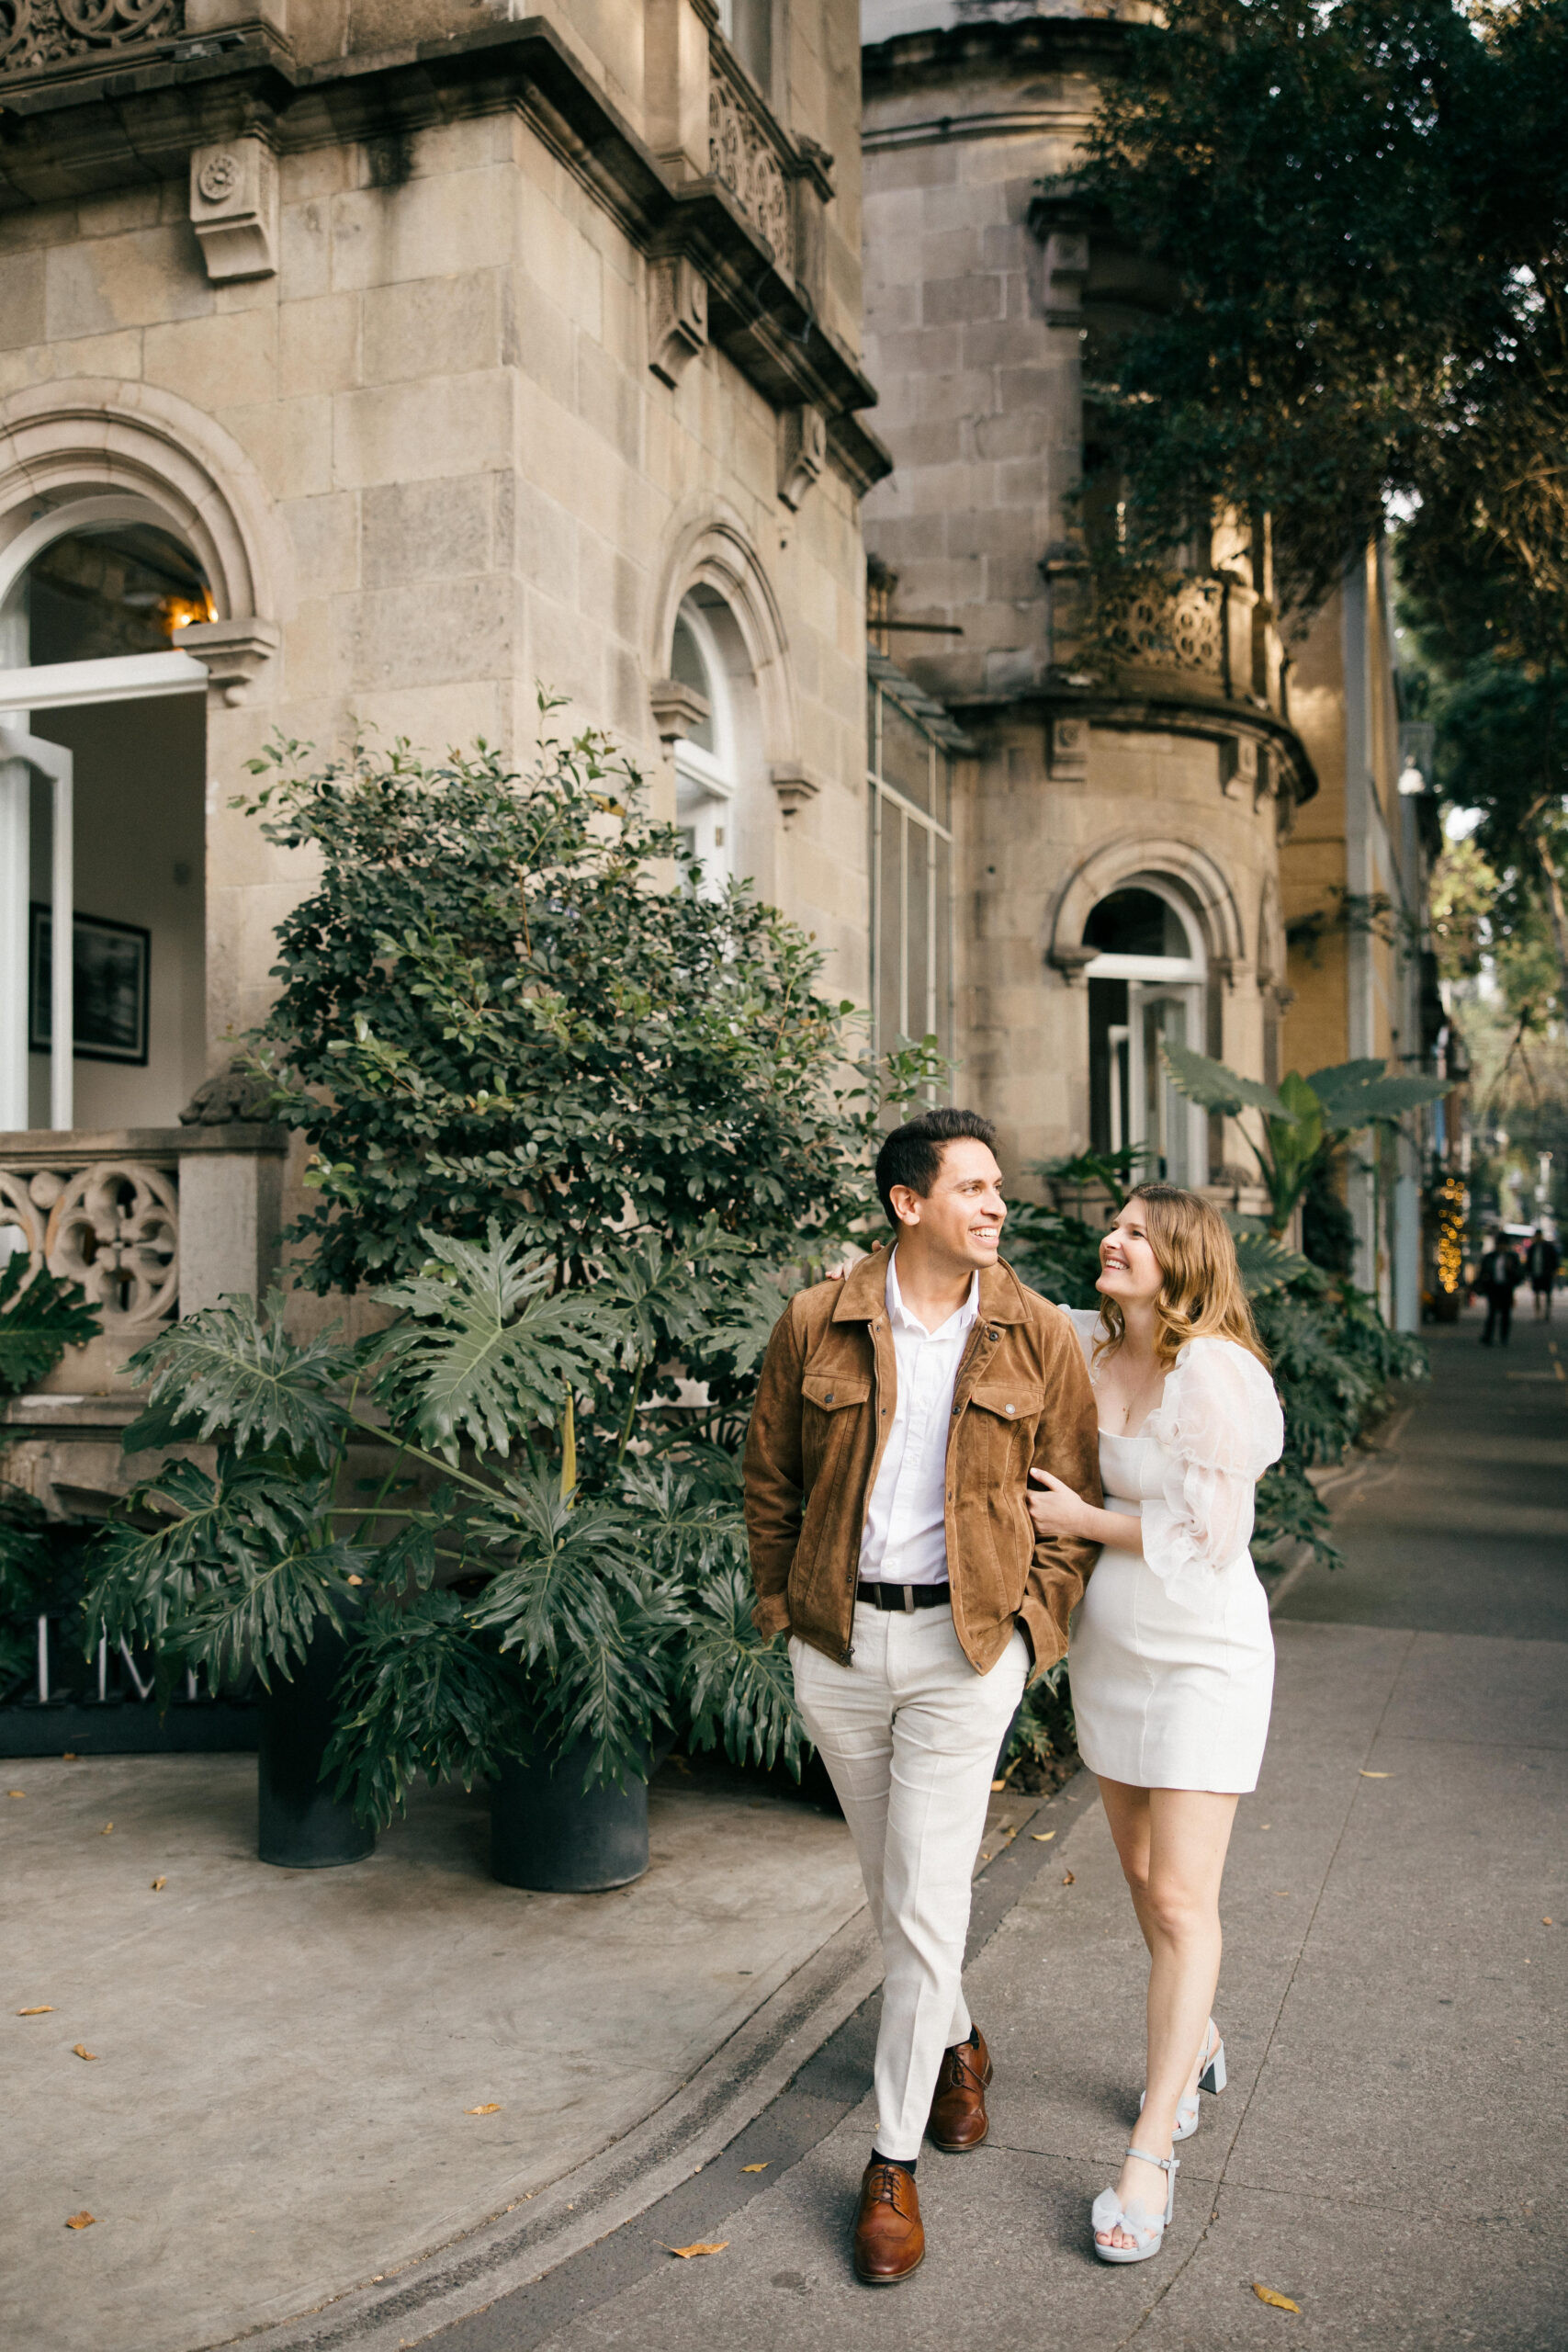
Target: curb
{"points": [[658, 2159]]}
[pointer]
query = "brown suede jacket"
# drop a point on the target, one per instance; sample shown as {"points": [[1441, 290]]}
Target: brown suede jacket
{"points": [[824, 1408]]}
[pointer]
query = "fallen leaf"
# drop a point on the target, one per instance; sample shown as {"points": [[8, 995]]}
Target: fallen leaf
{"points": [[68, 1755], [754, 2168], [1281, 1890], [1042, 1837], [1276, 2302], [15, 1793], [686, 2252], [44, 2009], [1370, 1776], [1068, 1879], [81, 2220], [159, 1884], [107, 1829], [80, 2050], [985, 1857], [1546, 1923], [491, 2106]]}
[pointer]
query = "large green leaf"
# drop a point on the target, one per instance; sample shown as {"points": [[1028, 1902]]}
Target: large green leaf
{"points": [[227, 1371], [1267, 1265], [40, 1317], [493, 1350], [420, 1693], [1214, 1087], [1366, 1101], [738, 1689], [237, 1568]]}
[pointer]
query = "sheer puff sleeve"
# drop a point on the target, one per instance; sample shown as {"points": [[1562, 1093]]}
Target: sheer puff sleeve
{"points": [[1219, 1426], [1085, 1321]]}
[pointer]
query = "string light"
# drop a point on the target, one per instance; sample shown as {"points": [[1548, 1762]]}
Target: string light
{"points": [[1454, 1211]]}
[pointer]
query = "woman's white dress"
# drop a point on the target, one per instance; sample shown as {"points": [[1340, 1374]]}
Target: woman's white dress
{"points": [[1171, 1656]]}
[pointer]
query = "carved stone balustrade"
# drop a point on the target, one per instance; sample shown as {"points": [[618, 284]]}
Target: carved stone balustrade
{"points": [[1182, 631], [152, 1222], [38, 33], [750, 156]]}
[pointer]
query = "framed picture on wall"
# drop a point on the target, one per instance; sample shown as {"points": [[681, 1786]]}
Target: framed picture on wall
{"points": [[111, 963]]}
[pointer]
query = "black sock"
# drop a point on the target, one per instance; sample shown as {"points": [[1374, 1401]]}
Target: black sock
{"points": [[904, 2164]]}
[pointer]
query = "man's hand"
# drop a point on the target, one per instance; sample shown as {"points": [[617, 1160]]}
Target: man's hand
{"points": [[1058, 1510]]}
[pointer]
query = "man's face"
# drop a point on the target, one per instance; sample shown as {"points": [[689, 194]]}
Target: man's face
{"points": [[961, 1217]]}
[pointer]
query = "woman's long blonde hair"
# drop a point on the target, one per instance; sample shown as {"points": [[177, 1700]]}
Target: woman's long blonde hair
{"points": [[1202, 1295]]}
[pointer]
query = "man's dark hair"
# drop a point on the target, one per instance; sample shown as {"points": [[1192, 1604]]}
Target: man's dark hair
{"points": [[912, 1153]]}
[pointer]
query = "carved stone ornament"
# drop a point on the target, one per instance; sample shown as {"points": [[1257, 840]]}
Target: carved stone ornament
{"points": [[677, 315], [234, 207], [795, 786], [112, 1225], [1149, 627], [1069, 749], [47, 32], [678, 709], [1238, 767], [232, 651], [803, 453], [742, 155]]}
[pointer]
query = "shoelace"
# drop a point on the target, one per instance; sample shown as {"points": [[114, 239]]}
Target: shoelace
{"points": [[885, 2184]]}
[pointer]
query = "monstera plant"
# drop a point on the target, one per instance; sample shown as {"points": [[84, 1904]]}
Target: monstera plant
{"points": [[495, 1605]]}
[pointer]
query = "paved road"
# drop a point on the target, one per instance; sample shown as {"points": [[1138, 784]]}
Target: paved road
{"points": [[1391, 2150]]}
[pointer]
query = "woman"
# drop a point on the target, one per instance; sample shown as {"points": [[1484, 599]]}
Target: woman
{"points": [[1172, 1657]]}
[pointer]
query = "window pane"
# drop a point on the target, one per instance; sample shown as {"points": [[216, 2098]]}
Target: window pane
{"points": [[890, 1025], [919, 928], [942, 857], [1106, 1064], [687, 665], [127, 589], [905, 755]]}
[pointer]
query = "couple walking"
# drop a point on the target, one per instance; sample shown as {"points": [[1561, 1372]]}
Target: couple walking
{"points": [[936, 1459]]}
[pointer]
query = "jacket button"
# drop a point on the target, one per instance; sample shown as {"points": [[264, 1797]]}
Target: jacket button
{"points": [[1010, 1408], [829, 1398]]}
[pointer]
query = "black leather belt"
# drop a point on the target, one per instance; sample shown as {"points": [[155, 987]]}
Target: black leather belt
{"points": [[906, 1597]]}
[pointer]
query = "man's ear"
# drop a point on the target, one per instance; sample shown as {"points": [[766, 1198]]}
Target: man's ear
{"points": [[905, 1204]]}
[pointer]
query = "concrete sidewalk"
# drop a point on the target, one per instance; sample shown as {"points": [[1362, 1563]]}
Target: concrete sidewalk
{"points": [[1389, 2153]]}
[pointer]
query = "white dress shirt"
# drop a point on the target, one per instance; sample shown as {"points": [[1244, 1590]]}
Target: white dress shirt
{"points": [[904, 1540]]}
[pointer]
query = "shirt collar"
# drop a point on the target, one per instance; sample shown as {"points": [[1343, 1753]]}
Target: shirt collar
{"points": [[901, 1319]]}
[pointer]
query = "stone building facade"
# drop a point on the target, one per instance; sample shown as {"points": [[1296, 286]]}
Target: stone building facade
{"points": [[1125, 824], [364, 364], [1119, 824]]}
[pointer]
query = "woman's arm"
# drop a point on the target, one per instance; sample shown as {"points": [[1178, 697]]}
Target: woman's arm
{"points": [[1056, 1510]]}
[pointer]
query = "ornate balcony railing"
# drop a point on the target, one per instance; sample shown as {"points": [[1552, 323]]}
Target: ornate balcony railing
{"points": [[1151, 627], [98, 1217], [749, 154], [37, 33]]}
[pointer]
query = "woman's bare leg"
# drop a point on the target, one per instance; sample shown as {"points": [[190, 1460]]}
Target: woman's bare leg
{"points": [[1172, 1844]]}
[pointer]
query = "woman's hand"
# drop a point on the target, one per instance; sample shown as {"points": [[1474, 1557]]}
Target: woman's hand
{"points": [[1055, 1509]]}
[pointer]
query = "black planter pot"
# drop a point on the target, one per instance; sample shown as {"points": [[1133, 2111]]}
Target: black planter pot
{"points": [[302, 1826], [548, 1833]]}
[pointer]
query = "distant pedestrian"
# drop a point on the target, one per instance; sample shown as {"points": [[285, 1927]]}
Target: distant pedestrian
{"points": [[1497, 1277], [1541, 1260]]}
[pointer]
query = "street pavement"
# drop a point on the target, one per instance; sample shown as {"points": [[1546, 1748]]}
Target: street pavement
{"points": [[1390, 2152]]}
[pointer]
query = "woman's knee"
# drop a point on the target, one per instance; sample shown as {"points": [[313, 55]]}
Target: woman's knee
{"points": [[1178, 1910]]}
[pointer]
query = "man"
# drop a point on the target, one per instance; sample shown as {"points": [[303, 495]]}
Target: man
{"points": [[1496, 1278], [898, 1419], [1541, 1261]]}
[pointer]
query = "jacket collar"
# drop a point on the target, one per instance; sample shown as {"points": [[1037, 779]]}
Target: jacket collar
{"points": [[864, 1295]]}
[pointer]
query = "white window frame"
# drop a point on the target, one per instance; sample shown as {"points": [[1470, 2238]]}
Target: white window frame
{"points": [[1148, 978], [705, 781], [888, 807]]}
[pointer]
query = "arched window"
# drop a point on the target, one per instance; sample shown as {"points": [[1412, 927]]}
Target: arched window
{"points": [[1146, 983], [707, 760], [102, 817]]}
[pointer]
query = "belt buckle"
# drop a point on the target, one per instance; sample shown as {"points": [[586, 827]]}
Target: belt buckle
{"points": [[909, 1592]]}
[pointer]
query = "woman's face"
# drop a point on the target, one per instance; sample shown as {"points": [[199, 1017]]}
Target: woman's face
{"points": [[1129, 1271]]}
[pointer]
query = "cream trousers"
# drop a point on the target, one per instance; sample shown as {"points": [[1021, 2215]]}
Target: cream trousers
{"points": [[909, 1733]]}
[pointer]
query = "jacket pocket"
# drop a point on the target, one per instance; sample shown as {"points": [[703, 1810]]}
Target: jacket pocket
{"points": [[829, 1424], [1013, 1402]]}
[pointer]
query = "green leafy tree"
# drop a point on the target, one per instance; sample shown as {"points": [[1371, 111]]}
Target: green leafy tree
{"points": [[40, 1317]]}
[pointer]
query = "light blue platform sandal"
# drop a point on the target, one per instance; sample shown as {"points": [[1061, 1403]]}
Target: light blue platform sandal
{"points": [[1211, 2077], [1146, 2232]]}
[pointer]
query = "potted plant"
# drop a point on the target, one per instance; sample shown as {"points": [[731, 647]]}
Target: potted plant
{"points": [[491, 1618]]}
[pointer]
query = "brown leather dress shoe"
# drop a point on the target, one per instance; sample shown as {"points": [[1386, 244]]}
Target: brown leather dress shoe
{"points": [[958, 2118], [890, 2239]]}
